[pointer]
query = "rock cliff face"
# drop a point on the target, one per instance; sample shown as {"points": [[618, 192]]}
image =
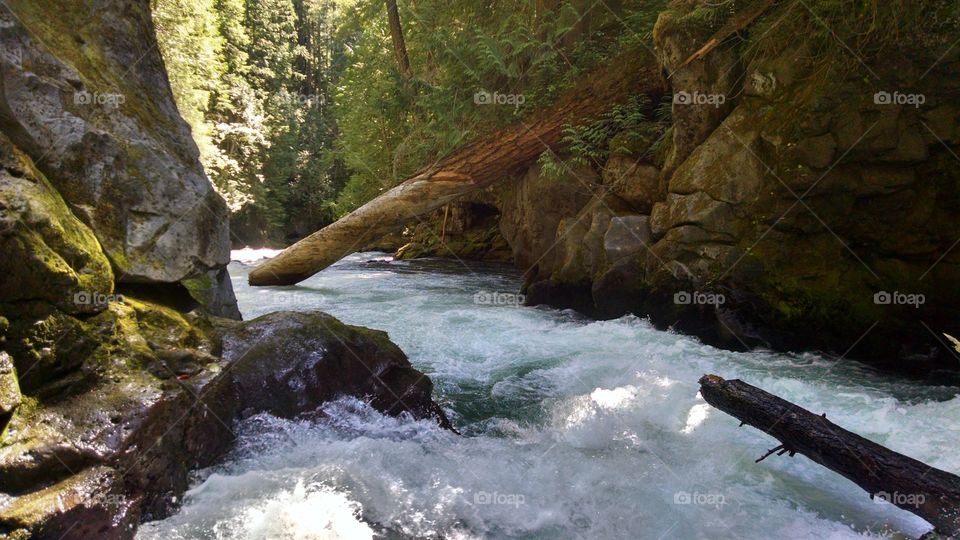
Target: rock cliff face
{"points": [[121, 369], [783, 209], [799, 213], [94, 110]]}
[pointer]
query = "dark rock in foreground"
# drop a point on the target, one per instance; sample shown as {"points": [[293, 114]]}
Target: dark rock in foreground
{"points": [[111, 439]]}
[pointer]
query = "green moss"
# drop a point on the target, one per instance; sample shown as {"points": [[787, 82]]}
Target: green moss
{"points": [[56, 256]]}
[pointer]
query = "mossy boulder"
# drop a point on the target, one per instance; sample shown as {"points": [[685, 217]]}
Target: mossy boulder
{"points": [[85, 94], [49, 254], [822, 211], [153, 392]]}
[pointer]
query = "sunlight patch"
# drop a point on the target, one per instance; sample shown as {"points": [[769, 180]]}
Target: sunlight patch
{"points": [[696, 416], [309, 512], [613, 399], [251, 255]]}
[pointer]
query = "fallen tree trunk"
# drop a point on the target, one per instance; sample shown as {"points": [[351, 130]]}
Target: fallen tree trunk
{"points": [[930, 493], [471, 167], [737, 24]]}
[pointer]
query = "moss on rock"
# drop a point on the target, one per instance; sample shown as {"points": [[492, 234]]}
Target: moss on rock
{"points": [[50, 255]]}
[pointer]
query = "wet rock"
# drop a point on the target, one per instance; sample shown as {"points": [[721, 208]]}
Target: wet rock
{"points": [[288, 363], [154, 393], [91, 504]]}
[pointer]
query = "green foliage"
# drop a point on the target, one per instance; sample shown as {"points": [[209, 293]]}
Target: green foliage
{"points": [[303, 115], [192, 50], [392, 127], [589, 144], [262, 107]]}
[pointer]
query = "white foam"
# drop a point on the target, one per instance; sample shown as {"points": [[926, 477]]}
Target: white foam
{"points": [[307, 512], [249, 255], [574, 429]]}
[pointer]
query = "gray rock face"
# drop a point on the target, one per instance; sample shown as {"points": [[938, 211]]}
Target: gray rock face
{"points": [[627, 235], [94, 110], [532, 207], [704, 91], [634, 181]]}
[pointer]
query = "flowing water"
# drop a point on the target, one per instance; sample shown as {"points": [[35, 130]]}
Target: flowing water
{"points": [[572, 428]]}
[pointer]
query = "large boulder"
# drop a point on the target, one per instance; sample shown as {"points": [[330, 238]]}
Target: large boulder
{"points": [[153, 394], [286, 363], [84, 93]]}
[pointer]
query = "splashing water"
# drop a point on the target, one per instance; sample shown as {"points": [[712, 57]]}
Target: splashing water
{"points": [[572, 429]]}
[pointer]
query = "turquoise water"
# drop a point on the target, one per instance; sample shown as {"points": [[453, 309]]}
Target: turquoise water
{"points": [[572, 428]]}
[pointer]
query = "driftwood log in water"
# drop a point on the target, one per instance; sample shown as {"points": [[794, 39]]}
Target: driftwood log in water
{"points": [[471, 167], [912, 485]]}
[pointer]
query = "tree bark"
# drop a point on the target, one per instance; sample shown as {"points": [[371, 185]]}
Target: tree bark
{"points": [[471, 167], [399, 45], [930, 493]]}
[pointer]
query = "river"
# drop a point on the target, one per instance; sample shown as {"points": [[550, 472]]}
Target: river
{"points": [[572, 428]]}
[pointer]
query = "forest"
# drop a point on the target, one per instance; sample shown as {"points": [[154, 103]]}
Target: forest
{"points": [[304, 110]]}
